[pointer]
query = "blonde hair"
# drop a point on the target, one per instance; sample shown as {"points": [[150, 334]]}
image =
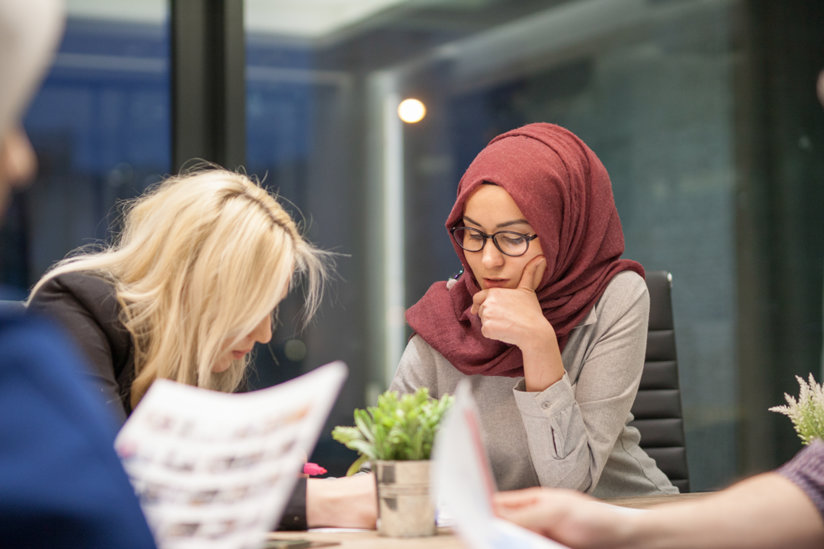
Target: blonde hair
{"points": [[202, 257]]}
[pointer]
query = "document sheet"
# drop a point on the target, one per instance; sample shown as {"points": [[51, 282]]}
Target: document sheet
{"points": [[463, 482], [215, 470]]}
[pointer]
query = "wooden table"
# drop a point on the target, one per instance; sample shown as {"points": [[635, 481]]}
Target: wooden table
{"points": [[369, 539], [445, 539], [645, 502]]}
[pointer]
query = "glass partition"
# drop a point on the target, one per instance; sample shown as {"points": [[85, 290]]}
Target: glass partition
{"points": [[670, 95], [704, 113], [100, 128]]}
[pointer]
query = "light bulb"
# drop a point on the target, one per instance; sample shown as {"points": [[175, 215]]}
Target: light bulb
{"points": [[411, 110]]}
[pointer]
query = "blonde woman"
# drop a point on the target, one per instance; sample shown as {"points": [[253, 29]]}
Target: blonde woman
{"points": [[188, 288]]}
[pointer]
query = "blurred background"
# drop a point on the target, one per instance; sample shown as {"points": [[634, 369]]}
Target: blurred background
{"points": [[703, 111]]}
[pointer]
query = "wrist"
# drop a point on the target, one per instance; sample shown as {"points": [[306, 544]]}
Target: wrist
{"points": [[540, 343], [646, 529], [317, 503], [543, 365], [631, 530]]}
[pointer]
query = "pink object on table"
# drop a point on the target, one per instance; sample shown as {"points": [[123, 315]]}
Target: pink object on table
{"points": [[313, 469]]}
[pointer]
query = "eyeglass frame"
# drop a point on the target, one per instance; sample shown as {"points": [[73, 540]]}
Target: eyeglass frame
{"points": [[527, 237]]}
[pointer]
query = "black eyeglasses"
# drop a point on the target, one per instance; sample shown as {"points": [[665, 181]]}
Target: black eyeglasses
{"points": [[509, 243]]}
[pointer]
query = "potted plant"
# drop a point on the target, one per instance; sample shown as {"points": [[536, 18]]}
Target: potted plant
{"points": [[806, 412], [396, 438]]}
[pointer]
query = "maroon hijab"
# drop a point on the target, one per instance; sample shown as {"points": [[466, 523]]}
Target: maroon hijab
{"points": [[564, 192]]}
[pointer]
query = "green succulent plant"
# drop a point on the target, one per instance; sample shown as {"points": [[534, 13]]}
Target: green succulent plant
{"points": [[806, 412], [398, 428]]}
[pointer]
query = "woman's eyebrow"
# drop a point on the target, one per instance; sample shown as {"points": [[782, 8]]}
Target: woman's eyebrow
{"points": [[499, 225]]}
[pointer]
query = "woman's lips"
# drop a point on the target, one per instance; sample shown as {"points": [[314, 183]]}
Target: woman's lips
{"points": [[240, 354], [495, 282]]}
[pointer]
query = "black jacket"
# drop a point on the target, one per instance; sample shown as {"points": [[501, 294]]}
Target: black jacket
{"points": [[86, 306]]}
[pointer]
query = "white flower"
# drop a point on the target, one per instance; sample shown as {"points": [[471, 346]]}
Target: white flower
{"points": [[806, 413]]}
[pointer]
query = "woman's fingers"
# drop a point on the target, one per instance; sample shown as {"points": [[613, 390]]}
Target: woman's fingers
{"points": [[478, 300], [533, 274]]}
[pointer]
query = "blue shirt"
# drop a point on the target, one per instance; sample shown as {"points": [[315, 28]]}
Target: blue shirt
{"points": [[61, 482]]}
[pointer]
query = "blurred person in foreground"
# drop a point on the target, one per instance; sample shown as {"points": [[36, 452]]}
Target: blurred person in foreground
{"points": [[61, 483], [784, 508]]}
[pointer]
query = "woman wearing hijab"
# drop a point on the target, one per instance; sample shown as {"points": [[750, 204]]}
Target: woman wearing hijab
{"points": [[547, 320], [780, 508]]}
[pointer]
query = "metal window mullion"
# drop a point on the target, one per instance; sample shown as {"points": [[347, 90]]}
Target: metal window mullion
{"points": [[208, 85]]}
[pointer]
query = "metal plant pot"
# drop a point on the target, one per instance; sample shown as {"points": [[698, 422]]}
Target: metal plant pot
{"points": [[405, 507]]}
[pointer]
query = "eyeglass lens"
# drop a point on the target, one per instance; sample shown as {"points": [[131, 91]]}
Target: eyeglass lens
{"points": [[508, 242]]}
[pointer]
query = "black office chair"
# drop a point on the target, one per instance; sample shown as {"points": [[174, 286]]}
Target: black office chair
{"points": [[657, 408]]}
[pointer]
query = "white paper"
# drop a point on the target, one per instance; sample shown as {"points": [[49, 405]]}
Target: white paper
{"points": [[215, 470], [463, 483]]}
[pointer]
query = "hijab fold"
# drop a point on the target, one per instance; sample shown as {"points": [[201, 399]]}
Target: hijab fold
{"points": [[565, 194]]}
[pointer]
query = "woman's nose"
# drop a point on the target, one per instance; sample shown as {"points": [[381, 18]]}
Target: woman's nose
{"points": [[492, 256], [263, 331]]}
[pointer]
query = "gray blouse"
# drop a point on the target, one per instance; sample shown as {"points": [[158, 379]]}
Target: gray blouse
{"points": [[575, 433]]}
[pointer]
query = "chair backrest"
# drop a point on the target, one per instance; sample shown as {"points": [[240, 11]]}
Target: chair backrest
{"points": [[657, 408]]}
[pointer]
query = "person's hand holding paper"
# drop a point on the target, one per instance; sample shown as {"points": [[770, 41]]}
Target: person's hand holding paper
{"points": [[463, 484]]}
